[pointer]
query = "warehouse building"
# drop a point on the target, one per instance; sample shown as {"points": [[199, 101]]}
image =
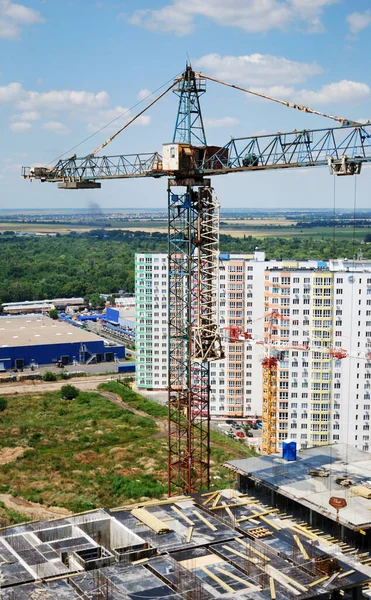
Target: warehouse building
{"points": [[29, 340]]}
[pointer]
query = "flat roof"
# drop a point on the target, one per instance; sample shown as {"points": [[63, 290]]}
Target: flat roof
{"points": [[39, 330], [291, 479]]}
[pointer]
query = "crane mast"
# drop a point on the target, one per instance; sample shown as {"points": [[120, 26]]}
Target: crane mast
{"points": [[194, 339]]}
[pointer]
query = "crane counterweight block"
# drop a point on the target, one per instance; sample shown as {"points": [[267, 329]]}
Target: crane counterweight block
{"points": [[79, 185]]}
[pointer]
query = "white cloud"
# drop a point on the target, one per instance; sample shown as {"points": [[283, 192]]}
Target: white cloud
{"points": [[55, 126], [143, 94], [10, 93], [256, 69], [119, 115], [13, 16], [221, 122], [358, 21], [20, 126], [339, 92], [29, 116], [63, 100], [250, 15]]}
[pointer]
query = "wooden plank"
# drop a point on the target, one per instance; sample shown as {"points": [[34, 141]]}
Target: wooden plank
{"points": [[250, 586], [224, 585], [229, 512], [216, 500], [301, 547], [210, 498], [204, 519], [346, 574], [189, 535], [281, 578], [274, 525], [183, 516], [253, 560], [274, 572], [235, 504], [272, 588], [318, 581], [262, 514], [138, 562]]}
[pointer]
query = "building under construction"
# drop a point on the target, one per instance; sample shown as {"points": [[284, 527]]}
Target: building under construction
{"points": [[306, 486], [211, 545]]}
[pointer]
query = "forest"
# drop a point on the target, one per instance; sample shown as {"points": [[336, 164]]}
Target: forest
{"points": [[102, 261]]}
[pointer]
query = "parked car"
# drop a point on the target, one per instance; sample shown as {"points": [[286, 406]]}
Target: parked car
{"points": [[240, 434], [250, 434], [230, 422]]}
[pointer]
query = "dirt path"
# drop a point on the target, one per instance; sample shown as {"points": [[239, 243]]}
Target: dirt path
{"points": [[33, 510], [161, 424]]}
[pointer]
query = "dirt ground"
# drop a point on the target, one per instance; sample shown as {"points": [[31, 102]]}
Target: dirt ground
{"points": [[32, 510], [8, 455]]}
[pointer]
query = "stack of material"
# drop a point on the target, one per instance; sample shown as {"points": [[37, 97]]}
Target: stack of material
{"points": [[361, 490], [150, 520]]}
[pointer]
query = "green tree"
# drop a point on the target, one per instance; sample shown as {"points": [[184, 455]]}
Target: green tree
{"points": [[49, 376], [69, 392], [3, 404], [53, 314]]}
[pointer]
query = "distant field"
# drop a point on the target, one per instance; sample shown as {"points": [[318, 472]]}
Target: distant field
{"points": [[265, 228]]}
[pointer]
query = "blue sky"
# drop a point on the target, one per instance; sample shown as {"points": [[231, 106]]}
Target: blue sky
{"points": [[68, 68]]}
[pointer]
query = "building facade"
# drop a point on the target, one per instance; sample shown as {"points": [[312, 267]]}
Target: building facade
{"points": [[324, 375], [151, 306], [322, 330], [234, 390]]}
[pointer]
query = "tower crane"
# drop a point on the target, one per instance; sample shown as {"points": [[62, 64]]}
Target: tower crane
{"points": [[274, 351], [188, 162]]}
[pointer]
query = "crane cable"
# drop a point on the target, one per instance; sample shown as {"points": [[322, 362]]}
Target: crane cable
{"points": [[286, 103], [351, 320], [112, 137], [173, 79]]}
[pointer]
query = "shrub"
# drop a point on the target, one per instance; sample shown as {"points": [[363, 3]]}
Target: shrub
{"points": [[3, 404], [137, 488], [49, 376], [69, 392], [53, 314]]}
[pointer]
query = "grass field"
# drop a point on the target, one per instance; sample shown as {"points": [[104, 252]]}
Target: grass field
{"points": [[89, 452], [259, 228]]}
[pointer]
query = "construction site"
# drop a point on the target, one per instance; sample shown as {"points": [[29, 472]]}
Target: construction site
{"points": [[210, 545], [200, 544]]}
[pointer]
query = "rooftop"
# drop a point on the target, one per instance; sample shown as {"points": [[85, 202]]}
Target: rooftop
{"points": [[298, 481], [212, 545], [39, 330]]}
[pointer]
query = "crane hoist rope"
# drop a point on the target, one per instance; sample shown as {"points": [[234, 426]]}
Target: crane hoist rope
{"points": [[112, 137], [286, 103]]}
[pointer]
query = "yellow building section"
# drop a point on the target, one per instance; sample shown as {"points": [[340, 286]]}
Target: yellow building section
{"points": [[269, 417]]}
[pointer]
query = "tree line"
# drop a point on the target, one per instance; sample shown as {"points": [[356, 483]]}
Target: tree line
{"points": [[102, 261]]}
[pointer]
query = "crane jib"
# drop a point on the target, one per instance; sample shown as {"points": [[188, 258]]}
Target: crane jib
{"points": [[343, 149]]}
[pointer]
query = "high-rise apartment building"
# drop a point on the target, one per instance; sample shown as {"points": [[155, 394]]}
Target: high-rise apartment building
{"points": [[234, 390], [151, 306], [324, 312]]}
